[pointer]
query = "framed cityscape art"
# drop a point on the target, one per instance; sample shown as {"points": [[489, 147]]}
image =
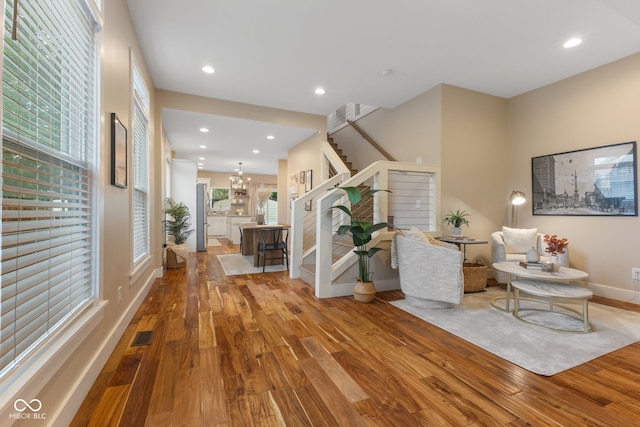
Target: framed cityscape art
{"points": [[600, 181]]}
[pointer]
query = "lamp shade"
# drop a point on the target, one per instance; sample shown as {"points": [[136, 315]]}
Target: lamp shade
{"points": [[517, 198]]}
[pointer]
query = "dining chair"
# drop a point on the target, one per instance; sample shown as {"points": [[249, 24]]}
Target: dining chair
{"points": [[273, 245]]}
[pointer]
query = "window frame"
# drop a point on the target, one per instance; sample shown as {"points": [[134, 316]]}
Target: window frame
{"points": [[31, 374], [139, 102]]}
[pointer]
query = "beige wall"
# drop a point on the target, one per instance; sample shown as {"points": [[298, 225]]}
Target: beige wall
{"points": [[65, 391], [407, 132], [221, 179], [304, 156], [474, 150], [599, 107]]}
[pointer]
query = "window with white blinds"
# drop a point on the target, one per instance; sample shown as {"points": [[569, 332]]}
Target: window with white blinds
{"points": [[48, 146], [140, 183]]}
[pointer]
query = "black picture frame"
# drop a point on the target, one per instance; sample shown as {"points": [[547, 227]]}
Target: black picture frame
{"points": [[307, 205], [599, 181], [119, 160]]}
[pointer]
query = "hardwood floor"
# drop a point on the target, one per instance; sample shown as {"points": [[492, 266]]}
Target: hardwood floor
{"points": [[262, 350]]}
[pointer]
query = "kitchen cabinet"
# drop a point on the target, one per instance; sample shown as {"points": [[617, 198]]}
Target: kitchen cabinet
{"points": [[217, 225]]}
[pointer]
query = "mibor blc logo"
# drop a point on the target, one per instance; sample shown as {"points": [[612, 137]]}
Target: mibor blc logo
{"points": [[28, 410]]}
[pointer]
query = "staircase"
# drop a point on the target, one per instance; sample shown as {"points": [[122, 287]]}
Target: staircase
{"points": [[338, 151], [326, 261]]}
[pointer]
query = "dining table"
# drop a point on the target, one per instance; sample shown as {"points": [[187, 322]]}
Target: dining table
{"points": [[251, 238]]}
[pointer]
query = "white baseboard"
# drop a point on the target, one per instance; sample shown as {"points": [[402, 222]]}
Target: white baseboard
{"points": [[65, 413], [615, 293]]}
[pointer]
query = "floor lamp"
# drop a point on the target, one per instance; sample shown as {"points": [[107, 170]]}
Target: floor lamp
{"points": [[517, 198]]}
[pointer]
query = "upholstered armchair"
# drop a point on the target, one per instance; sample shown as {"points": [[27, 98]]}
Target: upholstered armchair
{"points": [[512, 244], [431, 274]]}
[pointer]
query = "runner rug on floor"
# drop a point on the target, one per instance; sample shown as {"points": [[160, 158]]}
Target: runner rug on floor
{"points": [[534, 348], [213, 242], [235, 264]]}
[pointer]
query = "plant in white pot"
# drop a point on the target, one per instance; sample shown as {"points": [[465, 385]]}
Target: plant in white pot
{"points": [[361, 232], [456, 220]]}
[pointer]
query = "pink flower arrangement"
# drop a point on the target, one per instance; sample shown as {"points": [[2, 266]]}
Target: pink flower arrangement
{"points": [[555, 245]]}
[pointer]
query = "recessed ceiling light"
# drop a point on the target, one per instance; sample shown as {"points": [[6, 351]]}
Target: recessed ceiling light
{"points": [[200, 158], [200, 164], [204, 130], [572, 42], [203, 146], [256, 151], [200, 167], [320, 91], [271, 137], [208, 69]]}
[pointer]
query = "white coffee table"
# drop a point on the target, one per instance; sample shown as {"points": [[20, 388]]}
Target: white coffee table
{"points": [[553, 292], [515, 271]]}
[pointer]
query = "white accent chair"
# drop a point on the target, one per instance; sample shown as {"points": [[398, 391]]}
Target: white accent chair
{"points": [[512, 244], [431, 275]]}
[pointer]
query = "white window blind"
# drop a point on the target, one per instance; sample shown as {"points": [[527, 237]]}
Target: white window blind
{"points": [[271, 212], [48, 145], [140, 184]]}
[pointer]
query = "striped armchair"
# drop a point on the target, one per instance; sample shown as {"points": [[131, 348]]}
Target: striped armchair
{"points": [[430, 274]]}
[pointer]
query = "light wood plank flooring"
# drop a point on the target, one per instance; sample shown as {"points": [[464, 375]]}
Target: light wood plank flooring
{"points": [[262, 350]]}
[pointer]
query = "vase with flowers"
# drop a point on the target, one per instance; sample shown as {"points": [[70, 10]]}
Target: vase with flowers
{"points": [[555, 247]]}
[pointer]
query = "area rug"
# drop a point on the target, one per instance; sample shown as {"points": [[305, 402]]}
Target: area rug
{"points": [[234, 264], [213, 242], [534, 348]]}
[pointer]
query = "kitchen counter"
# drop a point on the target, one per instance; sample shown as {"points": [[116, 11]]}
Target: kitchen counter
{"points": [[233, 227]]}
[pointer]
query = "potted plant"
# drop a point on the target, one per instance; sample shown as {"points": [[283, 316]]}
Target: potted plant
{"points": [[555, 247], [177, 226], [361, 232], [456, 220]]}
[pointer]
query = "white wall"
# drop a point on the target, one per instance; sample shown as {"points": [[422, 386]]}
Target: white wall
{"points": [[184, 176]]}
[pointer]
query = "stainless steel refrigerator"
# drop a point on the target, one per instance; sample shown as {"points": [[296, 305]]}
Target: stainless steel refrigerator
{"points": [[202, 212]]}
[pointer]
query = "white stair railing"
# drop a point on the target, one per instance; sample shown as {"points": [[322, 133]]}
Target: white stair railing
{"points": [[376, 175], [304, 210]]}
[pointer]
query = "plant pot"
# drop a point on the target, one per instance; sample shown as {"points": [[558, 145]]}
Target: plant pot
{"points": [[364, 291], [456, 232]]}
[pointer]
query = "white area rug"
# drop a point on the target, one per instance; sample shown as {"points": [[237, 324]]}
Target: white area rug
{"points": [[536, 349], [234, 264], [213, 242]]}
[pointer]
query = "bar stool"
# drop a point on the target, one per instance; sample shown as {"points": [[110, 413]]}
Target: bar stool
{"points": [[273, 241]]}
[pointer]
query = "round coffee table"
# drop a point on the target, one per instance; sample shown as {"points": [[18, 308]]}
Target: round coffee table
{"points": [[553, 292], [515, 271]]}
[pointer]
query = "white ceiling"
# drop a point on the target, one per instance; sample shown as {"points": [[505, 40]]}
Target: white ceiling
{"points": [[275, 53]]}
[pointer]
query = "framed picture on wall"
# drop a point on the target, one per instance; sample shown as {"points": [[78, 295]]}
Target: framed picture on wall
{"points": [[600, 181], [308, 180], [302, 177], [293, 183], [118, 152]]}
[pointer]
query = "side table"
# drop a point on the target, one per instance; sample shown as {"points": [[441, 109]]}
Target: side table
{"points": [[462, 242]]}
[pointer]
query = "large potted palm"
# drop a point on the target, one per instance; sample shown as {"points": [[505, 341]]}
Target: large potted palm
{"points": [[361, 232], [178, 227]]}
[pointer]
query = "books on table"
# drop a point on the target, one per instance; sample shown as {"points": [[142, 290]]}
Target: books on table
{"points": [[531, 265]]}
